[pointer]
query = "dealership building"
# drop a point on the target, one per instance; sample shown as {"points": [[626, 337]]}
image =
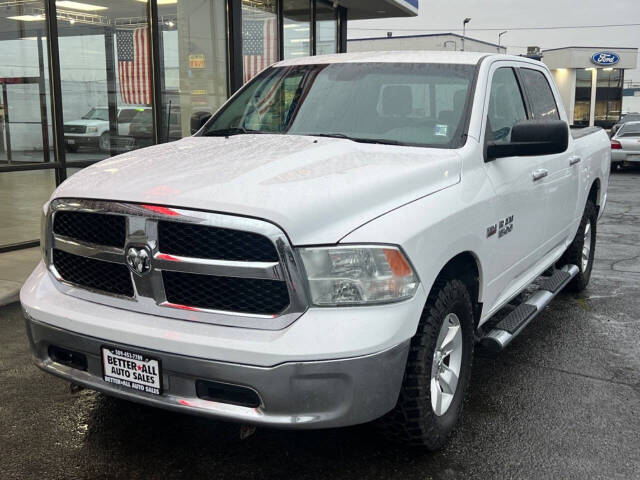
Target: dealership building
{"points": [[77, 76], [590, 81]]}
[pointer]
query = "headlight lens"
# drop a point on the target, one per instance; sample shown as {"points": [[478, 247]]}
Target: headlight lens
{"points": [[358, 275], [92, 129]]}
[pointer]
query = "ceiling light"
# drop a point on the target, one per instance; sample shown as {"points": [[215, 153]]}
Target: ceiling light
{"points": [[84, 7], [161, 2], [27, 18]]}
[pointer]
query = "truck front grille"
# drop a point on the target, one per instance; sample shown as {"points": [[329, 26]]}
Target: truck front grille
{"points": [[94, 274], [98, 228], [201, 266], [244, 295], [217, 243], [75, 129]]}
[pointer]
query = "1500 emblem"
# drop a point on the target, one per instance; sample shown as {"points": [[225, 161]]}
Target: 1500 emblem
{"points": [[503, 227], [139, 260]]}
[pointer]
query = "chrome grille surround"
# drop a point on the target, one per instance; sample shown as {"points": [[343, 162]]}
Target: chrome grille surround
{"points": [[149, 297]]}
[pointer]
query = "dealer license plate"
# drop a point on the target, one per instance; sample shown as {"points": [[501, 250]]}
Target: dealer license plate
{"points": [[131, 370]]}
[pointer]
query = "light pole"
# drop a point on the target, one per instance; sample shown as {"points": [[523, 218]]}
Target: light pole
{"points": [[500, 38], [464, 29]]}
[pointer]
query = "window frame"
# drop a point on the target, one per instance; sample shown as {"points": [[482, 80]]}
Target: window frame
{"points": [[525, 103]]}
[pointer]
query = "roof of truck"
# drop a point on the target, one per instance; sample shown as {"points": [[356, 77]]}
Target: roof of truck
{"points": [[406, 56]]}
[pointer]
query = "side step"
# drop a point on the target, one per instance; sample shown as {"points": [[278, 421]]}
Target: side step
{"points": [[514, 323]]}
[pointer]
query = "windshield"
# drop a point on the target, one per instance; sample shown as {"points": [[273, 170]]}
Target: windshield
{"points": [[97, 114], [396, 103], [630, 130]]}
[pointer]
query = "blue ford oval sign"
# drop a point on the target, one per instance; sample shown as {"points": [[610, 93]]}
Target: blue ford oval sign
{"points": [[605, 58]]}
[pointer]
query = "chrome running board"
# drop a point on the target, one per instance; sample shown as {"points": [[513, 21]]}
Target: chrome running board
{"points": [[515, 322]]}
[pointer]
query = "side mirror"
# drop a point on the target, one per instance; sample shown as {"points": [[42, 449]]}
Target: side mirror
{"points": [[532, 137], [198, 119]]}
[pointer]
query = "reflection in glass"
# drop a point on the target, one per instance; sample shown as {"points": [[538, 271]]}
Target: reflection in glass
{"points": [[297, 17], [582, 106], [22, 195], [608, 96], [25, 119], [105, 77], [194, 65], [259, 36], [326, 29]]}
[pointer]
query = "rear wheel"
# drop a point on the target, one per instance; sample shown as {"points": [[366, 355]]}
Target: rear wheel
{"points": [[581, 250], [437, 371]]}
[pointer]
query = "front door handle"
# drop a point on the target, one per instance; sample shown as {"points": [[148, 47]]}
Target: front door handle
{"points": [[574, 159], [540, 173]]}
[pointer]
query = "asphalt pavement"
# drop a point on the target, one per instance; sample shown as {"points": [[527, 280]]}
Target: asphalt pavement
{"points": [[563, 401]]}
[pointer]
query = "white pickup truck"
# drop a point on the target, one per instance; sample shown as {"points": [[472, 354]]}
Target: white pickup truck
{"points": [[328, 249]]}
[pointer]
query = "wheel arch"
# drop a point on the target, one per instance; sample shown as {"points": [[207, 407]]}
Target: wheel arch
{"points": [[595, 193], [466, 267]]}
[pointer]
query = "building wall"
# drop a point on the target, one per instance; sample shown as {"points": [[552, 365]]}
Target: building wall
{"points": [[565, 79], [421, 42]]}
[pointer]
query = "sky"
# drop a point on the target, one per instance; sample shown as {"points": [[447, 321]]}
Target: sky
{"points": [[446, 16]]}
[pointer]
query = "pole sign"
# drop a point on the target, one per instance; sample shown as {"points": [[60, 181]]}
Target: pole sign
{"points": [[605, 58]]}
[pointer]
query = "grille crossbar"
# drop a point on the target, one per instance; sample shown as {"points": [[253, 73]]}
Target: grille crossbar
{"points": [[256, 283]]}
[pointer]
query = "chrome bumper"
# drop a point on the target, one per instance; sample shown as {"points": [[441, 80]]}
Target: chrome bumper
{"points": [[300, 395]]}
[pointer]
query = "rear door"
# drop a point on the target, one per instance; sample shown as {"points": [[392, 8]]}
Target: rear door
{"points": [[562, 170]]}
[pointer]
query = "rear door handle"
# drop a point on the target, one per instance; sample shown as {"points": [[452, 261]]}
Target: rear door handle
{"points": [[574, 159], [540, 173]]}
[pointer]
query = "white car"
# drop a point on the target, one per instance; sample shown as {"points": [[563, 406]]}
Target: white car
{"points": [[625, 145], [328, 249], [92, 129]]}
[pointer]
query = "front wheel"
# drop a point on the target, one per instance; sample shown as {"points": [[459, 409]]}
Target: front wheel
{"points": [[105, 142], [581, 251], [437, 371]]}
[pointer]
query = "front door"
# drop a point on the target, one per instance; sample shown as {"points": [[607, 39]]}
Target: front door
{"points": [[518, 234]]}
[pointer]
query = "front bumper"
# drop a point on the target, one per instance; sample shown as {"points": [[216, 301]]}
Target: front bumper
{"points": [[329, 393], [79, 140]]}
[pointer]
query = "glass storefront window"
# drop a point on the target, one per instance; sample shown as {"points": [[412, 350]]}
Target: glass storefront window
{"points": [[259, 36], [105, 78], [25, 120], [608, 97], [297, 19], [194, 62], [326, 28], [22, 195], [582, 104]]}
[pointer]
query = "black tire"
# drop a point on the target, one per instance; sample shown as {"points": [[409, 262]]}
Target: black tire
{"points": [[104, 144], [413, 420], [573, 254], [71, 148]]}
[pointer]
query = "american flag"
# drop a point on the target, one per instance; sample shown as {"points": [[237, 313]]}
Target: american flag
{"points": [[259, 45], [134, 72]]}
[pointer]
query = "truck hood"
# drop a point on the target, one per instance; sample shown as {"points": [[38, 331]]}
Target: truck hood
{"points": [[87, 122], [316, 189]]}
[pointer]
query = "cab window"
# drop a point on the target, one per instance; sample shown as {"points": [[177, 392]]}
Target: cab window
{"points": [[506, 106], [543, 105]]}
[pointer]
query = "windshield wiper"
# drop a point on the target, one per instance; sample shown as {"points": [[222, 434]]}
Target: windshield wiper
{"points": [[227, 132], [381, 141]]}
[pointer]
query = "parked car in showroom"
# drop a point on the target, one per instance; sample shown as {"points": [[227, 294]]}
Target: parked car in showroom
{"points": [[329, 248], [141, 128], [625, 145], [92, 129]]}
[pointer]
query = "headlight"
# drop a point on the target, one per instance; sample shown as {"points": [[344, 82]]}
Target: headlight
{"points": [[358, 275], [92, 129]]}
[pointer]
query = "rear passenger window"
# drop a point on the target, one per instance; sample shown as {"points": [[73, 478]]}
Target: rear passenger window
{"points": [[543, 105], [506, 107]]}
